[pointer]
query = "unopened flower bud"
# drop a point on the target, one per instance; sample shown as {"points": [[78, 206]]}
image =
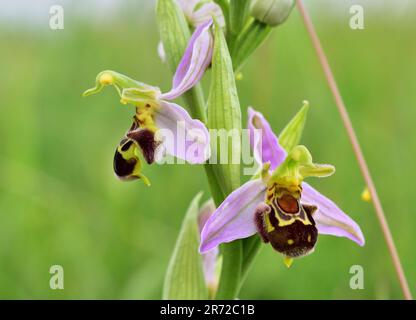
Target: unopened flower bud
{"points": [[272, 12]]}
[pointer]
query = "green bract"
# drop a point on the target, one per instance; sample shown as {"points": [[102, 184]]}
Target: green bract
{"points": [[184, 277], [173, 29], [224, 113], [291, 134]]}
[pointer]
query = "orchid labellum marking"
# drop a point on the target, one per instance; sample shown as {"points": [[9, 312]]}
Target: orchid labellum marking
{"points": [[286, 223]]}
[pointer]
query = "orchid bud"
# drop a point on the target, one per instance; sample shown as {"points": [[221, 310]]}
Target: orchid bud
{"points": [[272, 12]]}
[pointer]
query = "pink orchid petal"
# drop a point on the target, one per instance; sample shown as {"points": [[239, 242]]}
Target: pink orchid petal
{"points": [[329, 218], [209, 259], [266, 146], [194, 62], [234, 218], [186, 138]]}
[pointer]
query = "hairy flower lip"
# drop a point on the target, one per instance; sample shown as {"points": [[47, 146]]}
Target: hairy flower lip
{"points": [[145, 139], [234, 218]]}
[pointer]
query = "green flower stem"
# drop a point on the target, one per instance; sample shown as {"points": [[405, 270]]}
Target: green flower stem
{"points": [[238, 13], [195, 101], [254, 34], [251, 248], [230, 280]]}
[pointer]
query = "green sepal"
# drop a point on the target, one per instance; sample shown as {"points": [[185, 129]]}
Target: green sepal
{"points": [[184, 278], [224, 112], [121, 82], [173, 29], [292, 133], [297, 166]]}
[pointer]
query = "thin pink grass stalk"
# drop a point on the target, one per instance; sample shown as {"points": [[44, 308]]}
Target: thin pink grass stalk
{"points": [[357, 149]]}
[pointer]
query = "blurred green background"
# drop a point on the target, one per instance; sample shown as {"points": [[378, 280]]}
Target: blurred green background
{"points": [[61, 204]]}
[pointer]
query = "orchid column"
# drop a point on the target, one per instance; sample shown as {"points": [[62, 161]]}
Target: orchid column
{"points": [[223, 107]]}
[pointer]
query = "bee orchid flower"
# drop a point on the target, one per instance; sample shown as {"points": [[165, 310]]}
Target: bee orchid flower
{"points": [[156, 115], [278, 205]]}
